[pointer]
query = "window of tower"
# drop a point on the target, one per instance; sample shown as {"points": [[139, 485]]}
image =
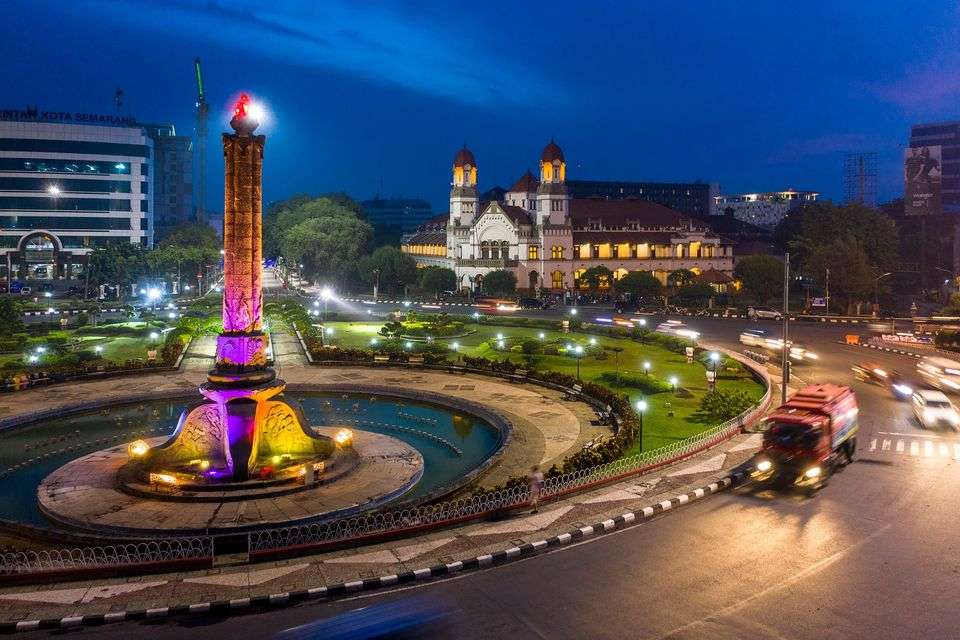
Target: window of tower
{"points": [[556, 252], [533, 252]]}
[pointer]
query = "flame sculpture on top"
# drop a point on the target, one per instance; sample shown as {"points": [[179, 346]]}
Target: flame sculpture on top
{"points": [[244, 428]]}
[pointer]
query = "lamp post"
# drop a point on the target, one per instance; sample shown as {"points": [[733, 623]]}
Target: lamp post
{"points": [[641, 409], [325, 295], [646, 367], [785, 351], [673, 383], [876, 291], [579, 351], [712, 374], [617, 351]]}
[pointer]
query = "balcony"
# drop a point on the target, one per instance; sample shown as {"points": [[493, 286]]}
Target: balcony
{"points": [[489, 263]]}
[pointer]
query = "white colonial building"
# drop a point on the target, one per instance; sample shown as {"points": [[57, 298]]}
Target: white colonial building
{"points": [[548, 239]]}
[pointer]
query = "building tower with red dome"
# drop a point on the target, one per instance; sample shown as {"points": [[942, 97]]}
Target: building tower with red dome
{"points": [[553, 199], [464, 198]]}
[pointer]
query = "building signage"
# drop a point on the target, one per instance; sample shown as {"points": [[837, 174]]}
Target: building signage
{"points": [[33, 114], [818, 302], [922, 181]]}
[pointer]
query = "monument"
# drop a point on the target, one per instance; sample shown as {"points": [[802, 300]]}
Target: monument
{"points": [[244, 430]]}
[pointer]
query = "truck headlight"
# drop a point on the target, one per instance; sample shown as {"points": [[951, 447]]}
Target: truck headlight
{"points": [[764, 466], [812, 472]]}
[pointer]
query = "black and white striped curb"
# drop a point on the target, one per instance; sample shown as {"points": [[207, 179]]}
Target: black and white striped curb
{"points": [[237, 605], [889, 350]]}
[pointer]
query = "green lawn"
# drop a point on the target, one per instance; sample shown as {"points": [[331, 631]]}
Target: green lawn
{"points": [[659, 428]]}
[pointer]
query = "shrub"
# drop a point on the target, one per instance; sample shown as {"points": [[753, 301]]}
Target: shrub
{"points": [[647, 383], [721, 405]]}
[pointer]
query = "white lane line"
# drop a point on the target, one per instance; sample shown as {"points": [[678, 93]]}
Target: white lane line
{"points": [[928, 449], [915, 448], [899, 446], [944, 451], [873, 445], [956, 452], [886, 445]]}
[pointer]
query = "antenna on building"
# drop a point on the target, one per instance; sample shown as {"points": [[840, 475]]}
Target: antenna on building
{"points": [[860, 179]]}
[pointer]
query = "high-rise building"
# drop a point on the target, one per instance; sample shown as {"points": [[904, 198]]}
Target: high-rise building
{"points": [[945, 135], [763, 209], [402, 215], [70, 183], [692, 198], [173, 182]]}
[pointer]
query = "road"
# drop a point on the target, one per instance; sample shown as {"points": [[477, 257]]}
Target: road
{"points": [[873, 555]]}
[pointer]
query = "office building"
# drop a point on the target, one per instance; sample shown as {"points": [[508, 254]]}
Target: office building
{"points": [[690, 198], [401, 215], [173, 179], [763, 209]]}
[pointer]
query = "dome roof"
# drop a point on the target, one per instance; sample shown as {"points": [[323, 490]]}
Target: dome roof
{"points": [[552, 152], [464, 157]]}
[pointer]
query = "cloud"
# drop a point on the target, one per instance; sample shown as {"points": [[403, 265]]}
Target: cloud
{"points": [[923, 89], [828, 144], [374, 43]]}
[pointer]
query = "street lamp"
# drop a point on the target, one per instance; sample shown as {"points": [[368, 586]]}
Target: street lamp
{"points": [[646, 367], [876, 290], [579, 351], [325, 295], [641, 409], [673, 383], [712, 374], [573, 311]]}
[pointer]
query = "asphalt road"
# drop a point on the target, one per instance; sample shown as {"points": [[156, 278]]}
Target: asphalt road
{"points": [[873, 555]]}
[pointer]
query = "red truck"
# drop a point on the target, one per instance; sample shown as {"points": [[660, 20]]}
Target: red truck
{"points": [[814, 432]]}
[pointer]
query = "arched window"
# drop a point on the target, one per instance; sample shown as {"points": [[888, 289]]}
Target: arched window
{"points": [[556, 252], [484, 250], [505, 250], [556, 279]]}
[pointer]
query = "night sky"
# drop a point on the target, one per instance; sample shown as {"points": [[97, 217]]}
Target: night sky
{"points": [[753, 95]]}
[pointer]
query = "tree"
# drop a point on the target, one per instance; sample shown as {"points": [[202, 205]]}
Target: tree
{"points": [[695, 293], [328, 246], [191, 234], [436, 279], [281, 217], [389, 268], [760, 276], [680, 277], [851, 273], [821, 224], [640, 283], [120, 264], [499, 283], [596, 276], [11, 317]]}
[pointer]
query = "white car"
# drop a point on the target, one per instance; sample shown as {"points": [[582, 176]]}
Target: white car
{"points": [[942, 373], [934, 409], [764, 314], [760, 338]]}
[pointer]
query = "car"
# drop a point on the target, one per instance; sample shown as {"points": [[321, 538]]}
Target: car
{"points": [[940, 373], [873, 373], [531, 303], [754, 338], [677, 328], [760, 313], [933, 409], [762, 339]]}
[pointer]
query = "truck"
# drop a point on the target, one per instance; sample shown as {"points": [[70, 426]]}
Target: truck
{"points": [[808, 437]]}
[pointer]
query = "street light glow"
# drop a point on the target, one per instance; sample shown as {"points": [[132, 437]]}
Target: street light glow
{"points": [[641, 406], [326, 293], [714, 356], [573, 312], [646, 366], [454, 345]]}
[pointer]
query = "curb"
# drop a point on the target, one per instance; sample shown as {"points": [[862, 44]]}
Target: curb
{"points": [[887, 349], [503, 556]]}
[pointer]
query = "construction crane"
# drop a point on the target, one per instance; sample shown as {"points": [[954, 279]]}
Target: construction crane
{"points": [[202, 110]]}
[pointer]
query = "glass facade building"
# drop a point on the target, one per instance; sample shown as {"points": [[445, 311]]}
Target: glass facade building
{"points": [[68, 188]]}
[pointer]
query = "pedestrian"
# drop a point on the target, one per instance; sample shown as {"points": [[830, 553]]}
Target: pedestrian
{"points": [[535, 484]]}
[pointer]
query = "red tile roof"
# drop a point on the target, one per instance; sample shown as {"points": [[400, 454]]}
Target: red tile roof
{"points": [[712, 276], [464, 156], [526, 184], [551, 152], [519, 215], [617, 213]]}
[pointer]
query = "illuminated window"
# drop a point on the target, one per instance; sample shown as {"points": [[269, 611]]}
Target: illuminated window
{"points": [[556, 279], [556, 252], [533, 252]]}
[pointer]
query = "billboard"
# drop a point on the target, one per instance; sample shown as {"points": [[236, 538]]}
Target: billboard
{"points": [[921, 180]]}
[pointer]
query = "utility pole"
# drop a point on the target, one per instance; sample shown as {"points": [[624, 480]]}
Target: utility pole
{"points": [[828, 290], [785, 353], [202, 110]]}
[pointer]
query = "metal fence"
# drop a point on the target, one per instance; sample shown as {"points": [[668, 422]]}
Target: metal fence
{"points": [[397, 522], [139, 553]]}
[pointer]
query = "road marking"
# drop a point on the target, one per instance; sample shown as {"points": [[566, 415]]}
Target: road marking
{"points": [[873, 445], [944, 451], [899, 446], [956, 451], [915, 448], [928, 449], [886, 445]]}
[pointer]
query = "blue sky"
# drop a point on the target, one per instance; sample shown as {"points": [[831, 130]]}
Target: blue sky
{"points": [[377, 97]]}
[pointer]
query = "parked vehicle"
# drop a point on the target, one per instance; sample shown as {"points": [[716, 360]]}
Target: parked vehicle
{"points": [[940, 373], [933, 409], [761, 313], [808, 437]]}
